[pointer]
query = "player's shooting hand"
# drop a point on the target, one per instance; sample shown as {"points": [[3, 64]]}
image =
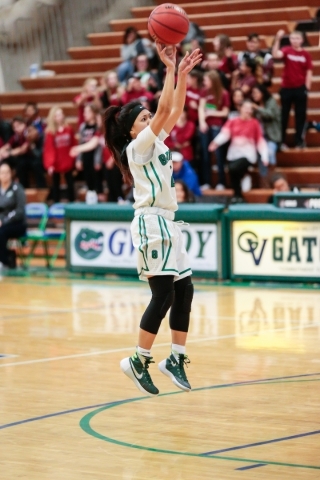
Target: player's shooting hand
{"points": [[167, 54], [189, 61]]}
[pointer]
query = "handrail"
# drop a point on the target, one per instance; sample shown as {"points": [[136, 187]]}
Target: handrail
{"points": [[34, 31]]}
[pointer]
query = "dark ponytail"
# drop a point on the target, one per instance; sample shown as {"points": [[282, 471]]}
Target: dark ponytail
{"points": [[118, 137]]}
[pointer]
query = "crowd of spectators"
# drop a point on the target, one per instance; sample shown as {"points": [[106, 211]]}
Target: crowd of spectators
{"points": [[229, 110]]}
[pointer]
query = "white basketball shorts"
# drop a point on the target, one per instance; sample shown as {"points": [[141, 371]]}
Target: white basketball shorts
{"points": [[160, 247]]}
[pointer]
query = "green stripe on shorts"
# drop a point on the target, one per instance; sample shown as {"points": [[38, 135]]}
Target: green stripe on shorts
{"points": [[142, 242]]}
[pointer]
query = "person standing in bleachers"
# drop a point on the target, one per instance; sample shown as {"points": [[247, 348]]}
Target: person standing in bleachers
{"points": [[12, 214], [59, 138], [296, 83]]}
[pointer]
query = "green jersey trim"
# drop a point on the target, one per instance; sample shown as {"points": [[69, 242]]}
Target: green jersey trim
{"points": [[184, 271], [142, 243], [152, 185], [162, 236], [164, 269], [156, 175]]}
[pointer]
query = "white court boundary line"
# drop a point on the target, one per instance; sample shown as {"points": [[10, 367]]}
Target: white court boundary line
{"points": [[129, 349]]}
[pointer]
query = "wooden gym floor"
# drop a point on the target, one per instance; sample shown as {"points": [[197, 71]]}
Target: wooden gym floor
{"points": [[67, 412]]}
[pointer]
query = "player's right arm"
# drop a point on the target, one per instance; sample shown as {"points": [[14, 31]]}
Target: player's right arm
{"points": [[276, 52], [166, 99]]}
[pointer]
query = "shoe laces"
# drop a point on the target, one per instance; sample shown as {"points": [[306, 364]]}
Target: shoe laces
{"points": [[183, 361], [145, 361]]}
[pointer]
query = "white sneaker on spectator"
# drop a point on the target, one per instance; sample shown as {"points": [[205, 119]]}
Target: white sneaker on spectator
{"points": [[284, 147], [204, 187], [246, 183], [300, 146], [220, 186]]}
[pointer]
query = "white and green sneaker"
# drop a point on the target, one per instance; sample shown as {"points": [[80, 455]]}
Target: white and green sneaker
{"points": [[174, 369], [136, 368]]}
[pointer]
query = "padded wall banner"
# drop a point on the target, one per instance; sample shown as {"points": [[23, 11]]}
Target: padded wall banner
{"points": [[275, 249], [109, 245]]}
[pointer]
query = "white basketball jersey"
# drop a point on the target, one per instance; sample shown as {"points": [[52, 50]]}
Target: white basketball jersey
{"points": [[151, 167]]}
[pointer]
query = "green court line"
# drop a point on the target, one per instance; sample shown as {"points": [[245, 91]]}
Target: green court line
{"points": [[86, 427]]}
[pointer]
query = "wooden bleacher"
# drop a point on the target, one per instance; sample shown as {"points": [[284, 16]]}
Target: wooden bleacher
{"points": [[236, 18]]}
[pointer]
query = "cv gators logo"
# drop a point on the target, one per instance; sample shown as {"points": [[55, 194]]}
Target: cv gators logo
{"points": [[89, 244], [249, 242]]}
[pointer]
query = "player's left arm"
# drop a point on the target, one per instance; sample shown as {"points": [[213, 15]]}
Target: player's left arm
{"points": [[179, 97]]}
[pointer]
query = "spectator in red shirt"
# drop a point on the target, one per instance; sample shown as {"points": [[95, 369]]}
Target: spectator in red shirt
{"points": [[89, 151], [246, 141], [59, 138], [228, 60], [181, 137], [111, 90], [296, 82], [135, 90], [89, 94], [194, 83], [244, 78], [214, 108]]}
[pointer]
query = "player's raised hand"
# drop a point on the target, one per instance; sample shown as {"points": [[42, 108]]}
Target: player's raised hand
{"points": [[167, 54], [189, 61]]}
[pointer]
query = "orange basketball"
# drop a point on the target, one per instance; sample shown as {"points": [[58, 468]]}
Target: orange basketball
{"points": [[168, 23]]}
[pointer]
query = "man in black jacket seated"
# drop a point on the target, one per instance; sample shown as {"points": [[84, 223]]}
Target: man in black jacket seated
{"points": [[12, 214]]}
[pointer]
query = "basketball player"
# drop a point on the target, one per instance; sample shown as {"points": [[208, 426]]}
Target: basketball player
{"points": [[136, 140]]}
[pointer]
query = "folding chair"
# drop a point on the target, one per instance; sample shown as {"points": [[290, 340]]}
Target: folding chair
{"points": [[45, 234], [56, 213], [37, 218]]}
